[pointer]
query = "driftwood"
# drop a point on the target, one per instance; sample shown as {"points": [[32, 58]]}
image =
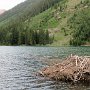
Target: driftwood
{"points": [[74, 68]]}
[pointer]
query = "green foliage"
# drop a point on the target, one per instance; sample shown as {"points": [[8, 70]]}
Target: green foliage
{"points": [[44, 21], [26, 36], [14, 24], [81, 25], [52, 23]]}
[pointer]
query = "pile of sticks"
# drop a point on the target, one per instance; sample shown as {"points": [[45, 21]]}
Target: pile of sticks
{"points": [[74, 68]]}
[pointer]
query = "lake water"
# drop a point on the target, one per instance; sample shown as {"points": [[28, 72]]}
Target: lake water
{"points": [[18, 65]]}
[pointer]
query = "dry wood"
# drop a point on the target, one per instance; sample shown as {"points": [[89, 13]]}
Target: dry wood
{"points": [[74, 68]]}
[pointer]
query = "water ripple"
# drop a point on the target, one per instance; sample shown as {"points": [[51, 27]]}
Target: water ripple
{"points": [[18, 67]]}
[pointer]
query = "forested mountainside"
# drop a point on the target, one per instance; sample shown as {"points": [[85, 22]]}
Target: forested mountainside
{"points": [[27, 9], [52, 22], [14, 28]]}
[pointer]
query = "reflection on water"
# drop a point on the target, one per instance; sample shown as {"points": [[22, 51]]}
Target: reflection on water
{"points": [[18, 66]]}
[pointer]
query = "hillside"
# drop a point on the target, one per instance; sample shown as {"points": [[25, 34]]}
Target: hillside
{"points": [[59, 17], [13, 27], [27, 9], [58, 20]]}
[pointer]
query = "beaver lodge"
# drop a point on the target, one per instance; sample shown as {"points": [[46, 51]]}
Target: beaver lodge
{"points": [[74, 68]]}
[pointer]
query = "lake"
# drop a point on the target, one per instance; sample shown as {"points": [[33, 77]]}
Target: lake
{"points": [[19, 64]]}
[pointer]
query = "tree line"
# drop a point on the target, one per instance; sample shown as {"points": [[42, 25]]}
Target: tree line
{"points": [[21, 35]]}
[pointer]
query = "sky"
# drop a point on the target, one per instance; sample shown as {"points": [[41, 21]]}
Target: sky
{"points": [[8, 4]]}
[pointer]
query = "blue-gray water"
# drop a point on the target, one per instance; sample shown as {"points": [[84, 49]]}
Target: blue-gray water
{"points": [[18, 66]]}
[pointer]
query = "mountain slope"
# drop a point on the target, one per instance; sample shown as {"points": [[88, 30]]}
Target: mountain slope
{"points": [[13, 27], [59, 17], [56, 19], [27, 9], [17, 10]]}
